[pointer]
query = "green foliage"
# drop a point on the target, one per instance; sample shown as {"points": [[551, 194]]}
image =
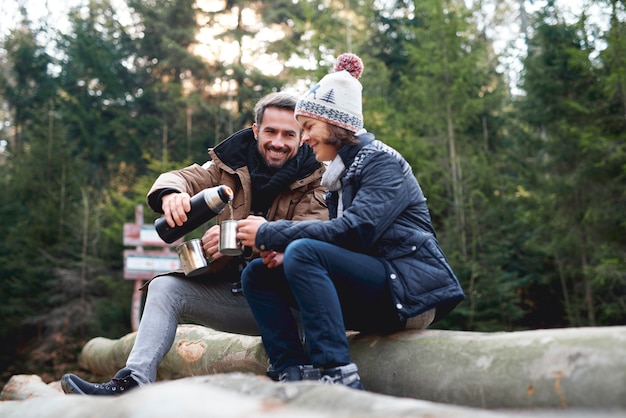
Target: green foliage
{"points": [[577, 224]]}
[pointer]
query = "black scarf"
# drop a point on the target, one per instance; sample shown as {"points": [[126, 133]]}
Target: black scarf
{"points": [[267, 182]]}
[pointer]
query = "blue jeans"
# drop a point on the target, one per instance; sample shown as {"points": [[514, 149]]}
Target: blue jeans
{"points": [[333, 288]]}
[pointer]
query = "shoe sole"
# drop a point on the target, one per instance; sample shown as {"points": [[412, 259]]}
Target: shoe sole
{"points": [[70, 387]]}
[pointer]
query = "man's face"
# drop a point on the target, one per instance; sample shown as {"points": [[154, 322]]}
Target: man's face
{"points": [[278, 136]]}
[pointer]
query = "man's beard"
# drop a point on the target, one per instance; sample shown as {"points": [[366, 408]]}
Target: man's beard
{"points": [[266, 163]]}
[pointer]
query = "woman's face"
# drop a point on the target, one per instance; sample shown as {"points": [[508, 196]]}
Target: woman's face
{"points": [[316, 133]]}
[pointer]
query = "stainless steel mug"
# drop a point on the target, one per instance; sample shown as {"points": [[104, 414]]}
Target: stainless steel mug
{"points": [[192, 257], [228, 243]]}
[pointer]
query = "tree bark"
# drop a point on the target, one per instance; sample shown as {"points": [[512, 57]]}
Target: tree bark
{"points": [[196, 350], [245, 395], [26, 386], [553, 368]]}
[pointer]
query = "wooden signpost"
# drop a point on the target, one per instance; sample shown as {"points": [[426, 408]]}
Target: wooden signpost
{"points": [[141, 264]]}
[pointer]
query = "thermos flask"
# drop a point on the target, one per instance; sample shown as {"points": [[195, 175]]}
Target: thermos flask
{"points": [[204, 206]]}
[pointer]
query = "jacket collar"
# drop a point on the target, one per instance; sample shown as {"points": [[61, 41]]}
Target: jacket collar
{"points": [[233, 151], [348, 152]]}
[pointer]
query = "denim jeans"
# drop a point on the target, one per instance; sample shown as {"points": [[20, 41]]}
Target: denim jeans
{"points": [[207, 301], [333, 288]]}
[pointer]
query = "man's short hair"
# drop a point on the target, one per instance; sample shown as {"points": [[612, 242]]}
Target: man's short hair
{"points": [[280, 100]]}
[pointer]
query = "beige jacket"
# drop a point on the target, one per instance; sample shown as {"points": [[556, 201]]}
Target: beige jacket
{"points": [[304, 200]]}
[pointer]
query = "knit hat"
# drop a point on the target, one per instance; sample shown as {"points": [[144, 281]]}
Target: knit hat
{"points": [[336, 99]]}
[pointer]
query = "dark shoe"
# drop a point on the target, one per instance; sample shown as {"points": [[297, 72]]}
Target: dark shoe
{"points": [[296, 373], [345, 375], [272, 374], [121, 383]]}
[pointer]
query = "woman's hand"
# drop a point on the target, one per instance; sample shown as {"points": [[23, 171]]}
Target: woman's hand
{"points": [[248, 228], [271, 258]]}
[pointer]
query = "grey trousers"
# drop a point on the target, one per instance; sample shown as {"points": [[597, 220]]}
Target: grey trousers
{"points": [[206, 301]]}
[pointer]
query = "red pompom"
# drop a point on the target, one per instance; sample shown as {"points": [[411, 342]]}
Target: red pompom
{"points": [[350, 63]]}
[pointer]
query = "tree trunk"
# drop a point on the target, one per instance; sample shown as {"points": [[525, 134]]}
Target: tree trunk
{"points": [[455, 164], [244, 395], [196, 350], [26, 386], [555, 368]]}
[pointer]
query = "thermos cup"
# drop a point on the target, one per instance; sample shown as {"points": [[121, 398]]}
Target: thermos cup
{"points": [[192, 258], [228, 243], [204, 206]]}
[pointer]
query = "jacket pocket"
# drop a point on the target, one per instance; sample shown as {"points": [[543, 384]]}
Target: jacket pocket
{"points": [[404, 245], [423, 279]]}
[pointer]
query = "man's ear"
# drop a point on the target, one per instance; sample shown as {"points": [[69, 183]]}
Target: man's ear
{"points": [[255, 129]]}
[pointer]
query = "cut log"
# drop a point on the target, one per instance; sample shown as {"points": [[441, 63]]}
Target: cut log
{"points": [[239, 395], [196, 351], [26, 386], [551, 368], [555, 368]]}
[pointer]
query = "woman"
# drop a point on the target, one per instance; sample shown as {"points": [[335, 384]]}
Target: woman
{"points": [[373, 267]]}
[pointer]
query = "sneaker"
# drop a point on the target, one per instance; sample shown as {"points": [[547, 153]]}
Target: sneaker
{"points": [[296, 373], [272, 374], [345, 375], [118, 385]]}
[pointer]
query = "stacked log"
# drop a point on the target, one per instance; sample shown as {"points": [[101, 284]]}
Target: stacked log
{"points": [[244, 395], [552, 368], [573, 373]]}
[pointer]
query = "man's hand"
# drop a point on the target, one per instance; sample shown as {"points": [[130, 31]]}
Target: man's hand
{"points": [[271, 258], [210, 242], [248, 228], [175, 207]]}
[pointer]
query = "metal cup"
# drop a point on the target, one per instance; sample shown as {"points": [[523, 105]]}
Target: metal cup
{"points": [[192, 257], [228, 244]]}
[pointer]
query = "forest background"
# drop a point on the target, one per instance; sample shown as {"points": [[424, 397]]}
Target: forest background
{"points": [[520, 148]]}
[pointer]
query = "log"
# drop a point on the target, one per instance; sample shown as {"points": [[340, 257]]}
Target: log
{"points": [[551, 368], [250, 396], [26, 386], [555, 368], [196, 350]]}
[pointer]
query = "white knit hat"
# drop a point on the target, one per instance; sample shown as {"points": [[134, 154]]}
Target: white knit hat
{"points": [[336, 99]]}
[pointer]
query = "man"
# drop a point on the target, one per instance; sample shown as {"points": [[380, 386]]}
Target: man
{"points": [[272, 174]]}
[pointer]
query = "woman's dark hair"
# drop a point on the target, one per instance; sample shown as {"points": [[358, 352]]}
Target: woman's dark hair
{"points": [[340, 136]]}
